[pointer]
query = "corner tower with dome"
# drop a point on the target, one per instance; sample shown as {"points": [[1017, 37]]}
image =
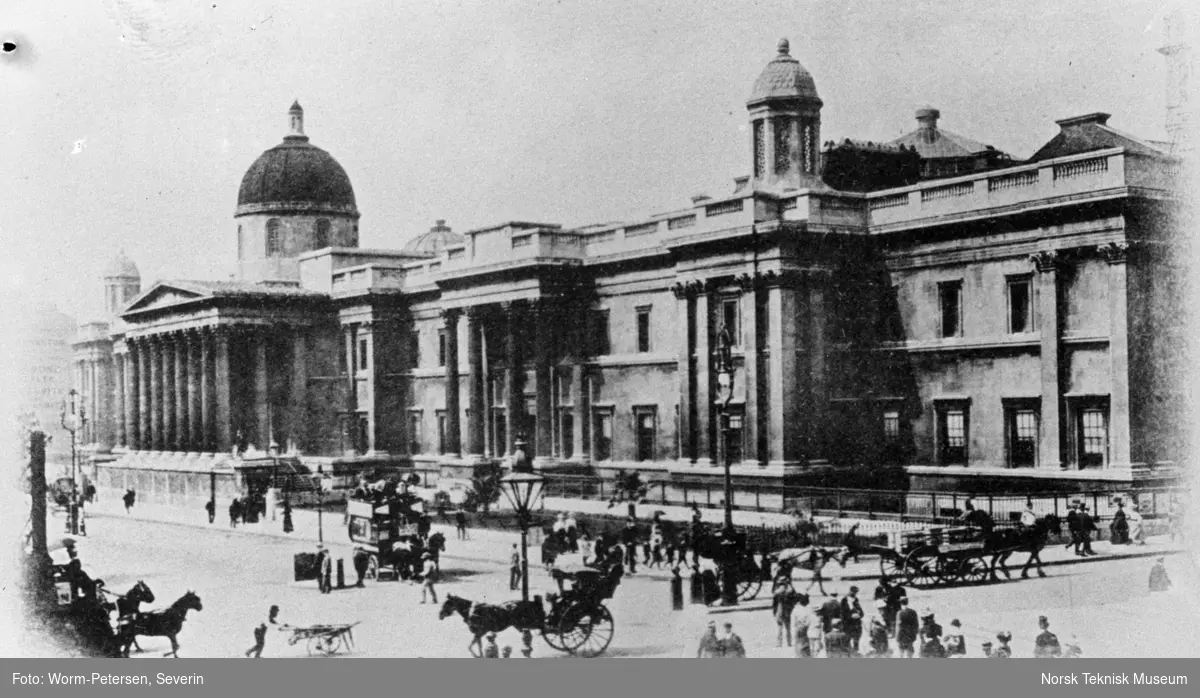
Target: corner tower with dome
{"points": [[925, 312]]}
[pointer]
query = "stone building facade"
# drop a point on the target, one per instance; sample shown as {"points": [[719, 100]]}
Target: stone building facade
{"points": [[980, 321]]}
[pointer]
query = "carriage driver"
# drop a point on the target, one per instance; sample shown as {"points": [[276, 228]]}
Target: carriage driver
{"points": [[1028, 517]]}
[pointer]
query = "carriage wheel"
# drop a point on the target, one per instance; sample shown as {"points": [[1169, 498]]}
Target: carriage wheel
{"points": [[553, 637], [974, 570], [372, 567], [323, 645], [749, 579], [947, 569], [891, 567], [587, 632], [920, 568]]}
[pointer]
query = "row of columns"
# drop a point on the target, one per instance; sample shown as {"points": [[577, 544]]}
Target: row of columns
{"points": [[92, 376], [173, 391]]}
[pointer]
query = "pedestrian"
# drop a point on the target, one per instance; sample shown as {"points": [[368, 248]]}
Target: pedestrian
{"points": [[956, 642], [129, 498], [362, 564], [629, 537], [506, 653], [1118, 529], [1159, 581], [1137, 534], [800, 622], [235, 512], [830, 611], [288, 526], [526, 643], [1086, 525], [572, 533], [878, 631], [852, 618], [837, 643], [324, 569], [816, 636], [897, 597], [1175, 518], [460, 524], [987, 650], [1003, 651], [429, 577], [783, 603], [514, 569], [1046, 645], [656, 548], [491, 651], [211, 507], [710, 646], [907, 629], [1073, 528], [931, 637], [732, 645], [260, 641]]}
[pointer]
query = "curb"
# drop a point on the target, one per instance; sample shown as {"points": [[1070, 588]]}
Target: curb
{"points": [[766, 604]]}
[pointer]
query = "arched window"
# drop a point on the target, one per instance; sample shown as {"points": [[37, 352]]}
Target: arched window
{"points": [[240, 242], [322, 239], [353, 241], [274, 238]]}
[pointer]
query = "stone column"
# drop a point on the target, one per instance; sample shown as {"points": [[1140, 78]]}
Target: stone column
{"points": [[706, 441], [156, 394], [350, 427], [262, 398], [453, 412], [167, 387], [685, 303], [119, 369], [1115, 253], [298, 412], [786, 427], [181, 392], [145, 403], [544, 378], [195, 432], [132, 388], [1050, 451], [818, 395], [475, 384], [751, 373], [513, 375], [222, 412], [579, 408]]}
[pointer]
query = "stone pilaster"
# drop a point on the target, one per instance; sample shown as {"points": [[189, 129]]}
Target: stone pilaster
{"points": [[705, 427], [786, 426], [476, 410], [453, 410], [262, 397], [1116, 253], [298, 406], [514, 406], [545, 317], [685, 296], [752, 372], [1048, 263]]}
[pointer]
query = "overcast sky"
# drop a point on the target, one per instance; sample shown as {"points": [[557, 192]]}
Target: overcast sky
{"points": [[132, 121]]}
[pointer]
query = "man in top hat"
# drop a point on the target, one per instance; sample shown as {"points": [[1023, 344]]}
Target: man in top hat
{"points": [[1073, 526], [1046, 645], [429, 576], [1086, 525]]}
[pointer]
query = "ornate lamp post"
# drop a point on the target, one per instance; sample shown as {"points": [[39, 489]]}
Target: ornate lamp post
{"points": [[729, 594], [523, 488], [74, 417]]}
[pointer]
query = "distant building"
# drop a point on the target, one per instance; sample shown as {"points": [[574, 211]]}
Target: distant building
{"points": [[979, 321], [43, 347]]}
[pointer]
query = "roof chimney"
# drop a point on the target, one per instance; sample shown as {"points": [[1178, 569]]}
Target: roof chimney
{"points": [[1099, 118]]}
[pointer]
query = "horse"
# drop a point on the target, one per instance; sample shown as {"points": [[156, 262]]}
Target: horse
{"points": [[1001, 544], [483, 618], [129, 604], [165, 623]]}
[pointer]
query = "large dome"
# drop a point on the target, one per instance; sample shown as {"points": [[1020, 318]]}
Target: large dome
{"points": [[783, 78], [295, 172], [121, 267]]}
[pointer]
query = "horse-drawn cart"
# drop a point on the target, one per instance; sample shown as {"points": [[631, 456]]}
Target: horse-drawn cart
{"points": [[323, 640], [935, 556]]}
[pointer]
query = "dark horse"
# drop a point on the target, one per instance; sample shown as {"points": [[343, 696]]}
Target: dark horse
{"points": [[482, 618], [1002, 543], [129, 606], [165, 623]]}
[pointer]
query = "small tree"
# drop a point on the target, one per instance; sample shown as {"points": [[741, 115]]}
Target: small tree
{"points": [[485, 488], [628, 487]]}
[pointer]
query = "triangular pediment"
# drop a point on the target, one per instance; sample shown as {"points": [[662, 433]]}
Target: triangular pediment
{"points": [[166, 294]]}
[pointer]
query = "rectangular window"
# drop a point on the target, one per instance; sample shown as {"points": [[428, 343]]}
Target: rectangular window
{"points": [[362, 354], [601, 345], [603, 434], [891, 427], [441, 347], [414, 348], [643, 330], [1022, 419], [950, 308], [729, 319], [567, 431], [443, 436], [1020, 305], [645, 421], [893, 450], [1093, 437], [415, 437], [953, 427]]}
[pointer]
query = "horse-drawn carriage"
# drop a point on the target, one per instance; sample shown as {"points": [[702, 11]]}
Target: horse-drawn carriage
{"points": [[713, 545], [393, 531], [577, 621], [323, 640]]}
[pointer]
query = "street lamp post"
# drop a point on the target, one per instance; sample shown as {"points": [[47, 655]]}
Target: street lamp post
{"points": [[73, 418], [321, 505], [729, 593], [523, 488]]}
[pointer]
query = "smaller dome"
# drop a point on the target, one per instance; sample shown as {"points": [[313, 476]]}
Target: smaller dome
{"points": [[783, 78], [121, 267], [431, 244]]}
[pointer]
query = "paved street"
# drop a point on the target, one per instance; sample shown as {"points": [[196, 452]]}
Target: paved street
{"points": [[1105, 604]]}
